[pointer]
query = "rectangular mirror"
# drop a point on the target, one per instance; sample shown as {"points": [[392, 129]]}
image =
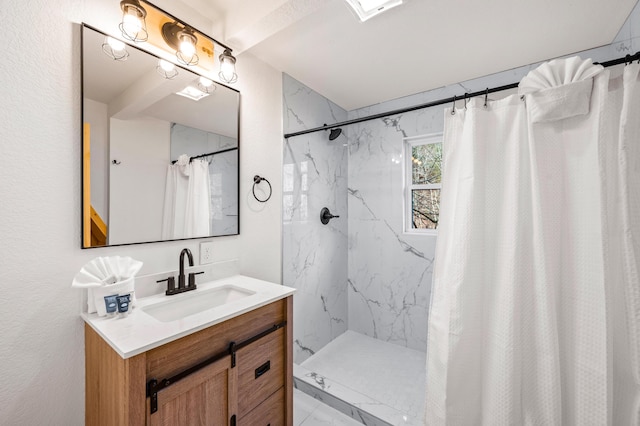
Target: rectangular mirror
{"points": [[160, 151]]}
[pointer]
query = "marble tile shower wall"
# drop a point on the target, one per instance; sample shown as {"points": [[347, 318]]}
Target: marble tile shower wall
{"points": [[314, 255], [389, 271]]}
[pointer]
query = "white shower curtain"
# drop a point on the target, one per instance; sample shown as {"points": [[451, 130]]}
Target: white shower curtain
{"points": [[535, 314], [187, 200]]}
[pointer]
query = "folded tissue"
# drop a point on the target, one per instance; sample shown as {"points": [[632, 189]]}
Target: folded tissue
{"points": [[106, 276]]}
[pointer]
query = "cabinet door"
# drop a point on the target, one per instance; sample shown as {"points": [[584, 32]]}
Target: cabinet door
{"points": [[206, 397]]}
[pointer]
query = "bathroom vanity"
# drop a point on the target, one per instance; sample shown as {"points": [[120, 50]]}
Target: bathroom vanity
{"points": [[172, 361]]}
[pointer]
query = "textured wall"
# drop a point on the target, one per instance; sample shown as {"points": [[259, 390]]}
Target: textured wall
{"points": [[41, 334], [314, 255], [260, 252]]}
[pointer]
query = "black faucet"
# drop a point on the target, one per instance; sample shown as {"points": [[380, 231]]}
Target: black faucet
{"points": [[171, 282], [181, 276]]}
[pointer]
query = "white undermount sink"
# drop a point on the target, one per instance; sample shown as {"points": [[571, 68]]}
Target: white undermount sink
{"points": [[193, 302]]}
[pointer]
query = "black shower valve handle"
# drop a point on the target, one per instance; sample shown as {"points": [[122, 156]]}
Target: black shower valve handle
{"points": [[326, 216]]}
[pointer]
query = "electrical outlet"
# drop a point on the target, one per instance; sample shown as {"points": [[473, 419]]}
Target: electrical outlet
{"points": [[206, 252]]}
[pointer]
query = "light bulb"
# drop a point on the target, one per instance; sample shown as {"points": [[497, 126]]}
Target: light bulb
{"points": [[204, 81], [187, 47], [166, 65], [133, 26], [227, 69], [131, 23], [115, 49], [115, 44], [206, 85]]}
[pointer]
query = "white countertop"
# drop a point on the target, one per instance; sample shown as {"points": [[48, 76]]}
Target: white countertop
{"points": [[140, 332]]}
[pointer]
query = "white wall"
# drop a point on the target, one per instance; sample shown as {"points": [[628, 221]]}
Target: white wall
{"points": [[137, 184], [261, 124], [41, 334]]}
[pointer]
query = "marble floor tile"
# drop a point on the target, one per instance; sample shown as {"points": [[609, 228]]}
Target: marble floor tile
{"points": [[378, 377], [303, 406], [309, 412], [327, 416]]}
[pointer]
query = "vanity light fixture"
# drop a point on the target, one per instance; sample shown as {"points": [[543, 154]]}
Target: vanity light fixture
{"points": [[166, 69], [366, 9], [183, 40], [133, 25], [205, 85], [171, 35], [227, 67], [115, 49]]}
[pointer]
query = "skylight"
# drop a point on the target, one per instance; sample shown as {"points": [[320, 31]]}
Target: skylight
{"points": [[369, 8]]}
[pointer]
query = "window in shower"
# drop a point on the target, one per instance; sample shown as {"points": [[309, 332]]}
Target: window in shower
{"points": [[423, 180]]}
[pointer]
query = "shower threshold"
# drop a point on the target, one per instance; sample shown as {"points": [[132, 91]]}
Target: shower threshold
{"points": [[375, 382]]}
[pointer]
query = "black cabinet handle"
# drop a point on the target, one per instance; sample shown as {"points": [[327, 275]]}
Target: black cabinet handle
{"points": [[263, 369]]}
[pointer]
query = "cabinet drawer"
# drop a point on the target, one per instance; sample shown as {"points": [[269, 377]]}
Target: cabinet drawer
{"points": [[176, 356], [269, 413], [260, 370]]}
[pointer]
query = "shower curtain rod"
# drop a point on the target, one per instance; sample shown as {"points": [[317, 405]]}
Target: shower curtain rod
{"points": [[624, 60], [208, 154]]}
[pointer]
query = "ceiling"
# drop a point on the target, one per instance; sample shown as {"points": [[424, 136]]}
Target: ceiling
{"points": [[418, 46]]}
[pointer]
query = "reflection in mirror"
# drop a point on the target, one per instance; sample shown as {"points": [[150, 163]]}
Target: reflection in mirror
{"points": [[221, 161], [160, 155]]}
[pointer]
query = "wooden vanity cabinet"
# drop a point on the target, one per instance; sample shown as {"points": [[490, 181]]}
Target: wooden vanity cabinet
{"points": [[250, 386]]}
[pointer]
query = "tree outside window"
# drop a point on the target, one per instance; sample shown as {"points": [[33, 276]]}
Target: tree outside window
{"points": [[423, 182]]}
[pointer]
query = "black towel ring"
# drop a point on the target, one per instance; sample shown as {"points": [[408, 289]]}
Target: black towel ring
{"points": [[256, 180]]}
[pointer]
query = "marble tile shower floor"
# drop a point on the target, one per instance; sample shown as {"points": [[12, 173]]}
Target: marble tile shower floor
{"points": [[376, 382]]}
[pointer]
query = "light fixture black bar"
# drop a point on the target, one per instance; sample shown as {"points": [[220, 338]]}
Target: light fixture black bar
{"points": [[208, 154], [623, 60]]}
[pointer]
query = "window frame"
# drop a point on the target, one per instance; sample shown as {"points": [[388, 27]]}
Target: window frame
{"points": [[409, 186]]}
